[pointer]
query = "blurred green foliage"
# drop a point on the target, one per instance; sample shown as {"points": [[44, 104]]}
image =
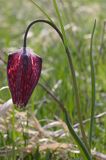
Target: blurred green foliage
{"points": [[78, 18]]}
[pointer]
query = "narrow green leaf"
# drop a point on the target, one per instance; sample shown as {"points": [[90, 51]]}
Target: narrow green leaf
{"points": [[61, 23], [48, 155], [84, 151], [93, 86], [42, 10], [37, 154]]}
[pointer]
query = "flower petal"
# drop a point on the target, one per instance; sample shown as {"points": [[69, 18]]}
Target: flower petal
{"points": [[23, 72]]}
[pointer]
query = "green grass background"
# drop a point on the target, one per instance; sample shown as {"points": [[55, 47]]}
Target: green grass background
{"points": [[78, 18]]}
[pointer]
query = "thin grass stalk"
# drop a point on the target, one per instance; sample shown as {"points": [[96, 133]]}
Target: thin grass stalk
{"points": [[66, 18], [77, 99], [42, 10], [102, 39], [25, 131], [13, 132], [93, 92], [61, 23]]}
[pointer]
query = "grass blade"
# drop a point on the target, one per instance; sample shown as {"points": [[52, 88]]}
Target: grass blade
{"points": [[93, 86], [42, 10], [61, 23]]}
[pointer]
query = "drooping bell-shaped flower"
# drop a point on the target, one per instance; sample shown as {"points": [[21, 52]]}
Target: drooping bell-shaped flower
{"points": [[23, 72]]}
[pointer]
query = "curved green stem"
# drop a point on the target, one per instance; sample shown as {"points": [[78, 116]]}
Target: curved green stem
{"points": [[70, 63], [39, 21], [73, 75], [83, 147]]}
